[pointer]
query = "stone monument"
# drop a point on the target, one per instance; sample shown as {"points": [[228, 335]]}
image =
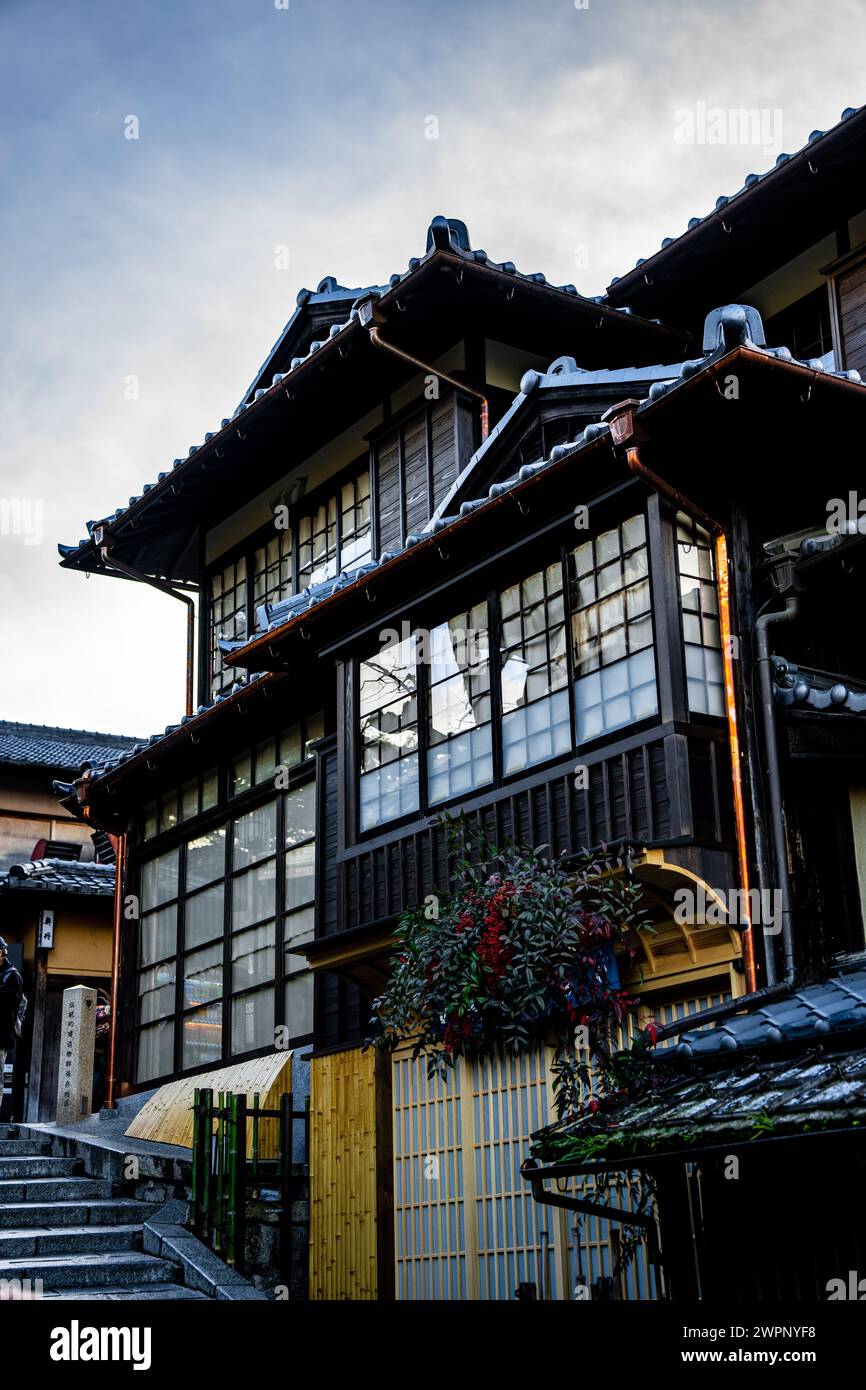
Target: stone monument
{"points": [[77, 1047]]}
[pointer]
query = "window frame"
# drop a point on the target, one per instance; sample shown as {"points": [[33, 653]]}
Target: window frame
{"points": [[246, 549], [228, 810], [610, 518]]}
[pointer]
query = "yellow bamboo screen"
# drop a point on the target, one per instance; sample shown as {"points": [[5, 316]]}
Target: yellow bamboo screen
{"points": [[167, 1117], [343, 1232]]}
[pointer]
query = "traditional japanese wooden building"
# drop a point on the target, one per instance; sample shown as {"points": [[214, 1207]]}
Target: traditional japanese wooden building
{"points": [[617, 498]]}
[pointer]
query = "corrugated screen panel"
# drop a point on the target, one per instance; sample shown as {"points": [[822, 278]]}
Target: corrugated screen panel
{"points": [[444, 461], [429, 1199], [343, 1232], [465, 1222], [510, 1098]]}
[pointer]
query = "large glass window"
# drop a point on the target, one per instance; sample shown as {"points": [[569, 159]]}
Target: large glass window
{"points": [[612, 635], [533, 664], [460, 746], [589, 614], [389, 734], [356, 539], [806, 328], [700, 610], [157, 959], [333, 535], [232, 883]]}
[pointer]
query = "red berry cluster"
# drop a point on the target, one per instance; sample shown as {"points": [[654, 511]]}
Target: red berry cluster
{"points": [[494, 953], [456, 1033]]}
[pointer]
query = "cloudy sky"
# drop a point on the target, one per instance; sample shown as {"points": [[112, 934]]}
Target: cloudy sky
{"points": [[305, 124]]}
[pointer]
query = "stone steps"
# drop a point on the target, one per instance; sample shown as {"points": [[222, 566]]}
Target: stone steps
{"points": [[55, 1190], [66, 1234], [90, 1240], [166, 1293], [121, 1211], [27, 1166], [115, 1269], [11, 1148]]}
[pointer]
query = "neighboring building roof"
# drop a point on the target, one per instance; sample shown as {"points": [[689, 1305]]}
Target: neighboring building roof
{"points": [[60, 876], [729, 1084], [725, 203], [43, 745], [760, 1099], [836, 1005]]}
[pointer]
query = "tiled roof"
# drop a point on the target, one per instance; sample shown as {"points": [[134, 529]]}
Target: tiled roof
{"points": [[328, 295], [750, 182], [727, 328], [758, 1099], [746, 1090], [444, 234], [811, 1014], [60, 876], [733, 325], [42, 745], [798, 687]]}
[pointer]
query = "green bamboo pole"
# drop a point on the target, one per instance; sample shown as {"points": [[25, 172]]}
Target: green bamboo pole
{"points": [[231, 1223], [196, 1157], [207, 1184], [219, 1221]]}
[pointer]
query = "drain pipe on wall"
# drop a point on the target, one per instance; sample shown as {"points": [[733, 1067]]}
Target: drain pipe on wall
{"points": [[102, 540], [371, 319], [120, 869]]}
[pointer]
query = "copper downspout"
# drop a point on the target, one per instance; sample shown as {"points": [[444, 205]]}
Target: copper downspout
{"points": [[378, 341], [723, 578], [164, 588], [119, 842]]}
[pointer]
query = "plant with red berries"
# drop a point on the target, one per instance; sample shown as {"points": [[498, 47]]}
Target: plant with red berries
{"points": [[522, 947]]}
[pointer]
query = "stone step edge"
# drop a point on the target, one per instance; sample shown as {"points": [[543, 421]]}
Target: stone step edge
{"points": [[147, 1293], [167, 1238], [40, 1232], [107, 1154]]}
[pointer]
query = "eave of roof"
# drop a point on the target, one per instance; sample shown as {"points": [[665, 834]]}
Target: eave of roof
{"points": [[85, 554], [771, 1068], [305, 606], [795, 687], [647, 267]]}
